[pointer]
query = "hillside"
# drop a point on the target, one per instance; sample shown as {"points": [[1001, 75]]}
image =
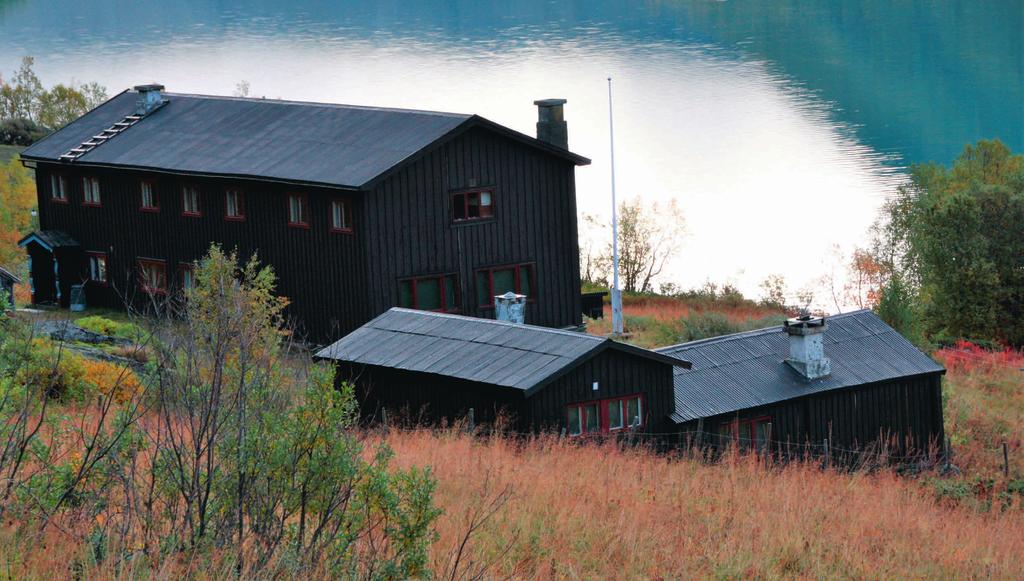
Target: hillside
{"points": [[8, 151]]}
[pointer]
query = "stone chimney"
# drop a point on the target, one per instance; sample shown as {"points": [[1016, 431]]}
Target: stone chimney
{"points": [[806, 346], [551, 127], [150, 98], [510, 307]]}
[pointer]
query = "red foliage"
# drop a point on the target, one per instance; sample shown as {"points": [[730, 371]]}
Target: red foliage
{"points": [[967, 357]]}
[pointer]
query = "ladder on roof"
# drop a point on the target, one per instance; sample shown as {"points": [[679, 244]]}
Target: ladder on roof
{"points": [[100, 138]]}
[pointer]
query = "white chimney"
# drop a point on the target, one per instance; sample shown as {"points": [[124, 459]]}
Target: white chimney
{"points": [[807, 347], [510, 307], [150, 98]]}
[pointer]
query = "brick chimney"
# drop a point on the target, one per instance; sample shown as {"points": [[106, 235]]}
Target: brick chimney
{"points": [[806, 346], [551, 127]]}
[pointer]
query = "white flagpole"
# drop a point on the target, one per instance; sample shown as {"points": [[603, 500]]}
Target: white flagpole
{"points": [[616, 293]]}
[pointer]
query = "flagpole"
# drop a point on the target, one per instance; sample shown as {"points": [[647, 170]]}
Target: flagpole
{"points": [[616, 293]]}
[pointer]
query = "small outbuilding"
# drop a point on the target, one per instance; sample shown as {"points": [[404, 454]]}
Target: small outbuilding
{"points": [[7, 282], [851, 379], [428, 366]]}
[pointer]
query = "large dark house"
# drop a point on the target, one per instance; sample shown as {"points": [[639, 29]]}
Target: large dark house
{"points": [[434, 366], [358, 209], [850, 379]]}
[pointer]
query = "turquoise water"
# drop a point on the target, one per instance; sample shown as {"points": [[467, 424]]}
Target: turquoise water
{"points": [[778, 126]]}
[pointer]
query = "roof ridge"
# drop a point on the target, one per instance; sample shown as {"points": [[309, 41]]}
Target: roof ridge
{"points": [[319, 104], [476, 342], [479, 320], [745, 334]]}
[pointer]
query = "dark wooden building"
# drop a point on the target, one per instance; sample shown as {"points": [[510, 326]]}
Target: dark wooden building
{"points": [[358, 209], [852, 380], [430, 366]]}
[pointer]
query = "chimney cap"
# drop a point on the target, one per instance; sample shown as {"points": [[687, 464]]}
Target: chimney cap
{"points": [[549, 102], [805, 325], [149, 87]]}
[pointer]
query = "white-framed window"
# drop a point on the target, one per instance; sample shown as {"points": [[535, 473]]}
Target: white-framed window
{"points": [[234, 204], [341, 215], [90, 191], [190, 200], [58, 188]]}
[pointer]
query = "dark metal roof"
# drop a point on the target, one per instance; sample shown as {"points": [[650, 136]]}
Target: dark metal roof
{"points": [[8, 275], [309, 143], [49, 239], [746, 370], [523, 357]]}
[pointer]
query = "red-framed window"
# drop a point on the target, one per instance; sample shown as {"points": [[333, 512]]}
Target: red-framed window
{"points": [[298, 210], [98, 272], [149, 200], [190, 201], [59, 188], [474, 205], [431, 293], [91, 191], [186, 275], [517, 278], [234, 205], [341, 216], [605, 416], [153, 276], [748, 433]]}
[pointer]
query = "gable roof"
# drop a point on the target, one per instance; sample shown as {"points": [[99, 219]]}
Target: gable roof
{"points": [[523, 357], [8, 275], [296, 142], [746, 370], [49, 239]]}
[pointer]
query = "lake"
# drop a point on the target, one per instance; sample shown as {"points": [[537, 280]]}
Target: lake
{"points": [[779, 127]]}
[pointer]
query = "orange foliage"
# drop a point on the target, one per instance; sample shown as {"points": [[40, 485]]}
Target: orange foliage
{"points": [[17, 199], [112, 378]]}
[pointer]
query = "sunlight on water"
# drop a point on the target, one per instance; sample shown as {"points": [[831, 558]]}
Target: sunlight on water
{"points": [[770, 171]]}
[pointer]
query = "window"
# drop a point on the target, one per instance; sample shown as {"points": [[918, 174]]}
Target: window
{"points": [[98, 267], [186, 275], [190, 201], [472, 205], [498, 281], [430, 293], [90, 191], [234, 205], [753, 433], [341, 216], [147, 191], [58, 188], [153, 275], [298, 210], [606, 415]]}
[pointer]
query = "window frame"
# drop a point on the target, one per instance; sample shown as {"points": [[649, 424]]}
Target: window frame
{"points": [[198, 213], [304, 205], [240, 204], [155, 208], [97, 255], [59, 183], [98, 202], [517, 267], [346, 204], [465, 194], [733, 426], [440, 278], [604, 414], [143, 263], [184, 267]]}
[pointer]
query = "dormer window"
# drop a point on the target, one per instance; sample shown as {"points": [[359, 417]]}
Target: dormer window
{"points": [[234, 205], [476, 205], [190, 201], [90, 191], [298, 211], [147, 193], [59, 188]]}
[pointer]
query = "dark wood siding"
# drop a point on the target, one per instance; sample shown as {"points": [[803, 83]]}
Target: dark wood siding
{"points": [[323, 273], [906, 413], [411, 232]]}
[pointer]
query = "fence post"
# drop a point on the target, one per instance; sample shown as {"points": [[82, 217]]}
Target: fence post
{"points": [[828, 455], [384, 418], [562, 436], [472, 420], [1006, 461]]}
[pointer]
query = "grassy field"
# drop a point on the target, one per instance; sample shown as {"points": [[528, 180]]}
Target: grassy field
{"points": [[9, 151]]}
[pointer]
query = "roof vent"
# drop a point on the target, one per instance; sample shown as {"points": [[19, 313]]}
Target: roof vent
{"points": [[150, 98], [551, 127], [510, 307], [806, 346]]}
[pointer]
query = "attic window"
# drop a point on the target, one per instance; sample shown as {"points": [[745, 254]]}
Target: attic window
{"points": [[341, 216], [59, 188], [234, 205], [190, 201], [90, 191], [298, 210], [478, 205], [147, 192]]}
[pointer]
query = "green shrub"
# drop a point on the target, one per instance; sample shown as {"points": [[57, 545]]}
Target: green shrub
{"points": [[104, 326]]}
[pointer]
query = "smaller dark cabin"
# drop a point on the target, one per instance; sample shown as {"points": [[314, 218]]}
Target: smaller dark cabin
{"points": [[427, 367], [850, 379], [7, 282]]}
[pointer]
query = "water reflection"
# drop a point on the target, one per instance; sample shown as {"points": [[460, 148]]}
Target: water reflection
{"points": [[779, 127]]}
